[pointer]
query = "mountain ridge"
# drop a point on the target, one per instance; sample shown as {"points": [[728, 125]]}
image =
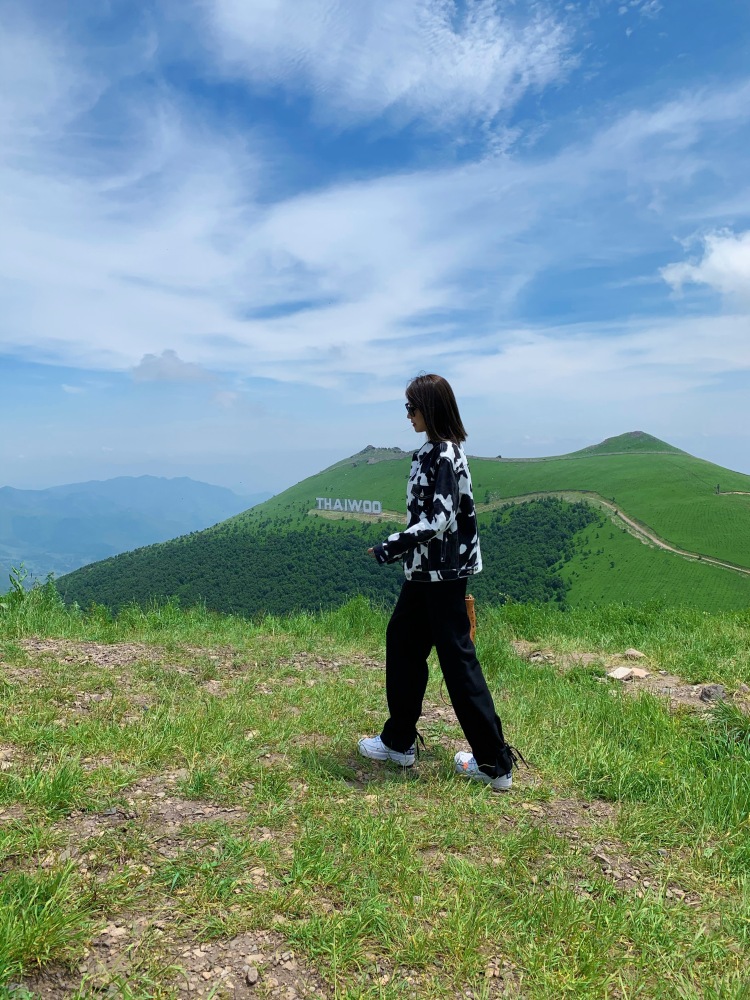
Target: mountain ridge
{"points": [[61, 528], [291, 553]]}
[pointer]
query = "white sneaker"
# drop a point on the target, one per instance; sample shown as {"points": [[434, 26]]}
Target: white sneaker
{"points": [[374, 748], [467, 767]]}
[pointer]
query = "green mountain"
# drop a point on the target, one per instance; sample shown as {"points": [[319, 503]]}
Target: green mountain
{"points": [[633, 441], [632, 520]]}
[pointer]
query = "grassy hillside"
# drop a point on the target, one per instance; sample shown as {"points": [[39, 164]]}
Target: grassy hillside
{"points": [[273, 546], [182, 807], [324, 562], [673, 494], [633, 441], [609, 561]]}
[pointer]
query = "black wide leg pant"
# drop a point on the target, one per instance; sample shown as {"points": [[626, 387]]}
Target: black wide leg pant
{"points": [[434, 614]]}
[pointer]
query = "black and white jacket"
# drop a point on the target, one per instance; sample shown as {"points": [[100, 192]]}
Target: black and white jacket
{"points": [[441, 541]]}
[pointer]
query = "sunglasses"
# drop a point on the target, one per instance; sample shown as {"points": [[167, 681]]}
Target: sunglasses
{"points": [[411, 409]]}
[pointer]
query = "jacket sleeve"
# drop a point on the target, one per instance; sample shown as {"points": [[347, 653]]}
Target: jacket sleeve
{"points": [[437, 513]]}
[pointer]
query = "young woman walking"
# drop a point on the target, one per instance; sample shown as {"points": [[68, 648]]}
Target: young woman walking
{"points": [[440, 551]]}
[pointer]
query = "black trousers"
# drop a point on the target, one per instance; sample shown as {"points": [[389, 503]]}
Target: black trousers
{"points": [[434, 614]]}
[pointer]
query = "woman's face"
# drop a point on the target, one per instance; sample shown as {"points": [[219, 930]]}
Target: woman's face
{"points": [[416, 418]]}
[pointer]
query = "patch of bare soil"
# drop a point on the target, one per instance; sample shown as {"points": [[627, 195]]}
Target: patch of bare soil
{"points": [[569, 816], [12, 814], [639, 878], [215, 688], [10, 756], [250, 965], [156, 799], [120, 654], [31, 676], [151, 801], [306, 661]]}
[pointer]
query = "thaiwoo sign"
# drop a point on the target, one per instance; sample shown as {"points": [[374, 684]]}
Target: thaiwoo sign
{"points": [[357, 506]]}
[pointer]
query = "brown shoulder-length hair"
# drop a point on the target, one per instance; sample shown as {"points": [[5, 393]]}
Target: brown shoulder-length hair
{"points": [[433, 397]]}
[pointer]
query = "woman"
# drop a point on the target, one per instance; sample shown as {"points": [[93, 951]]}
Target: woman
{"points": [[440, 551]]}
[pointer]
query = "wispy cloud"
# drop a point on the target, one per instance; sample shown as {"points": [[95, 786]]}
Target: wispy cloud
{"points": [[172, 249], [443, 62]]}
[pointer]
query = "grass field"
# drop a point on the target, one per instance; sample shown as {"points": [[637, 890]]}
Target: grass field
{"points": [[610, 560], [675, 495], [183, 812]]}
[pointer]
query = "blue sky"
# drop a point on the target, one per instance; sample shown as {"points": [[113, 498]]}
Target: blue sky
{"points": [[232, 230]]}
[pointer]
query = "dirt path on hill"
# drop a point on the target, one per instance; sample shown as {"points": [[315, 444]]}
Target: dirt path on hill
{"points": [[635, 528]]}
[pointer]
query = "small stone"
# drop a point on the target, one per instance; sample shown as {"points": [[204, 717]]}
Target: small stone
{"points": [[743, 689], [638, 672], [713, 692], [620, 673], [634, 654], [251, 975]]}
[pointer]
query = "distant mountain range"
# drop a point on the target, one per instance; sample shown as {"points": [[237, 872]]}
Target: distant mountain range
{"points": [[631, 519], [64, 527]]}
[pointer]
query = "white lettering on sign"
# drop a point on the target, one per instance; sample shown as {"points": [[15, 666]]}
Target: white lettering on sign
{"points": [[363, 506]]}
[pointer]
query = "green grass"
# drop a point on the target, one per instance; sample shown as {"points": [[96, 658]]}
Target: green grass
{"points": [[610, 563], [383, 883], [675, 495]]}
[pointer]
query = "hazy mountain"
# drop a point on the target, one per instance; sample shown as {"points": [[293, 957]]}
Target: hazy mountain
{"points": [[59, 529]]}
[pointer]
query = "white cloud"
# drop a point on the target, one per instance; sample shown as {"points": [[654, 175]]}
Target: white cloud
{"points": [[436, 60], [176, 250], [638, 361], [165, 245], [724, 266], [168, 367], [72, 389]]}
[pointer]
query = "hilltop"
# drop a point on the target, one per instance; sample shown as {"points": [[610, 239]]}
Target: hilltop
{"points": [[370, 455], [632, 441], [576, 529]]}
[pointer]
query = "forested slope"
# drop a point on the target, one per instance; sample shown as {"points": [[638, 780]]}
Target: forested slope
{"points": [[323, 564]]}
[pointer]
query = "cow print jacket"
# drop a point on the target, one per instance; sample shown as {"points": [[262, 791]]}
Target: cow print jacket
{"points": [[441, 541]]}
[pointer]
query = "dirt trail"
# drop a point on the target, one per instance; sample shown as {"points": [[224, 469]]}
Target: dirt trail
{"points": [[638, 530]]}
